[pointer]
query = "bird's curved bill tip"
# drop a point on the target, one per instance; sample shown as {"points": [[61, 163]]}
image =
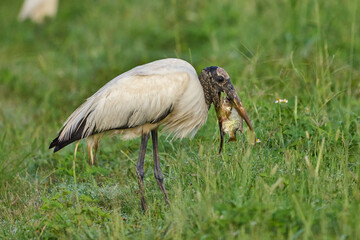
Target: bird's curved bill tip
{"points": [[242, 112]]}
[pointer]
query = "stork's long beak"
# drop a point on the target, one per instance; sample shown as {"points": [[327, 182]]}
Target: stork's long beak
{"points": [[234, 98]]}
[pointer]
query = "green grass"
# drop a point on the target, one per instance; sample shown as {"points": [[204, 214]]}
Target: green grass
{"points": [[300, 182]]}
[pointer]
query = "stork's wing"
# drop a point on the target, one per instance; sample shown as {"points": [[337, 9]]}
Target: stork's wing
{"points": [[125, 102]]}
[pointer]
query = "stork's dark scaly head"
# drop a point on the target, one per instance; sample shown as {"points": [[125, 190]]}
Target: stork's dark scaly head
{"points": [[216, 80]]}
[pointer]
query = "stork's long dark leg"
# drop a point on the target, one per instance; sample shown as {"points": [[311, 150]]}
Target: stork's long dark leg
{"points": [[140, 168], [221, 136], [157, 170]]}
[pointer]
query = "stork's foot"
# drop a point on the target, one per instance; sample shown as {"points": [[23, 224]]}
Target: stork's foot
{"points": [[140, 175], [163, 190], [157, 169], [143, 204]]}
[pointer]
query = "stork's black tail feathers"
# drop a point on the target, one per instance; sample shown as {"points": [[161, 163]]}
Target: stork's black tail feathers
{"points": [[60, 144], [74, 136]]}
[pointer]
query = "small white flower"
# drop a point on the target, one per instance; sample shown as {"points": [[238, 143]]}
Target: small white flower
{"points": [[258, 141], [278, 100]]}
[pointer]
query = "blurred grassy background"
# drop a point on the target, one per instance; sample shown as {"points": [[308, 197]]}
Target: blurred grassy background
{"points": [[306, 51]]}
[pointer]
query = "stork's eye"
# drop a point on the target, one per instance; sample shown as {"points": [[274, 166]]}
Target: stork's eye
{"points": [[219, 79]]}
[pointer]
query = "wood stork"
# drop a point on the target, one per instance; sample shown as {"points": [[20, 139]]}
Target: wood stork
{"points": [[166, 92], [37, 10]]}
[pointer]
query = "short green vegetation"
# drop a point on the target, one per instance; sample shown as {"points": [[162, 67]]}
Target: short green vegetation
{"points": [[300, 182]]}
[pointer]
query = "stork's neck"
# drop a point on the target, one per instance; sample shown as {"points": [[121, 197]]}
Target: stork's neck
{"points": [[204, 79]]}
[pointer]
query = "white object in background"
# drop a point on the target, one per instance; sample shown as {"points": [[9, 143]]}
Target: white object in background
{"points": [[37, 10], [278, 100]]}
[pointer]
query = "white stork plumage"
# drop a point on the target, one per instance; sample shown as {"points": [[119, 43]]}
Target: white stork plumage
{"points": [[37, 10], [166, 92]]}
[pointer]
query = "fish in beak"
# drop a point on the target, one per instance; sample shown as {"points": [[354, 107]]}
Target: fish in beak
{"points": [[231, 120]]}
